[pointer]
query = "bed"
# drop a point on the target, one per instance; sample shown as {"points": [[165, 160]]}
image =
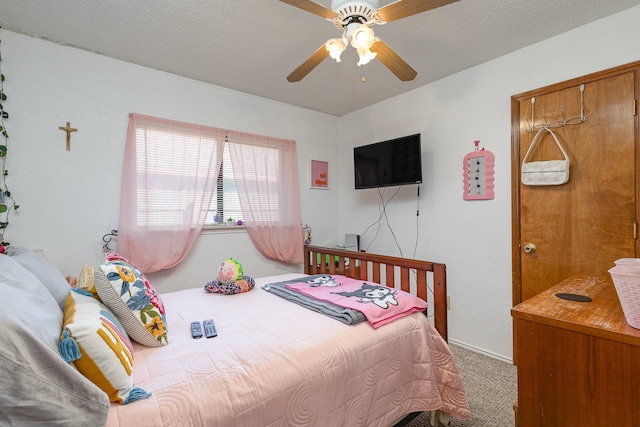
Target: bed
{"points": [[276, 363]]}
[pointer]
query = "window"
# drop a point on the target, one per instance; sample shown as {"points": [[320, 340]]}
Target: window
{"points": [[262, 180], [257, 177], [168, 182], [168, 193], [170, 186], [225, 203]]}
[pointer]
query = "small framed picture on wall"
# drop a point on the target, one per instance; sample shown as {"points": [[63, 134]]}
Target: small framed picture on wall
{"points": [[319, 174]]}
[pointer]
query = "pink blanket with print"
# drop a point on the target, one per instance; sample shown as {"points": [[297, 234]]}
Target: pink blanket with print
{"points": [[380, 304]]}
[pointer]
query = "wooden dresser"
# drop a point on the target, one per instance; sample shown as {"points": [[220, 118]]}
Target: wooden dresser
{"points": [[578, 362]]}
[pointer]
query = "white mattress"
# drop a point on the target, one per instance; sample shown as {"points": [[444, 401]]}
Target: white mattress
{"points": [[275, 363]]}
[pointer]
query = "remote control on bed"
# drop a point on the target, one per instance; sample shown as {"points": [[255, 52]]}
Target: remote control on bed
{"points": [[196, 330], [210, 328]]}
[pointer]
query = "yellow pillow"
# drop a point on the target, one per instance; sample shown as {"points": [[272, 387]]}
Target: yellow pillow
{"points": [[96, 343]]}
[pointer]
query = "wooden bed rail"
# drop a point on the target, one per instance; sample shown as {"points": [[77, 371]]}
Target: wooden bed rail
{"points": [[373, 268]]}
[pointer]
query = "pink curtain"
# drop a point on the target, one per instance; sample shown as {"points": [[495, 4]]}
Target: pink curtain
{"points": [[169, 178], [266, 174]]}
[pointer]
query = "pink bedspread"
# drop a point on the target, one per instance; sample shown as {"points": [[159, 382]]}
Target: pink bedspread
{"points": [[275, 363]]}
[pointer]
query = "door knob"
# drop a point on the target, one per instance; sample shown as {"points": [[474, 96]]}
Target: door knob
{"points": [[529, 248]]}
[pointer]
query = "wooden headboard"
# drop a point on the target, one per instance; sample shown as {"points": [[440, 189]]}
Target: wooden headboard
{"points": [[371, 267]]}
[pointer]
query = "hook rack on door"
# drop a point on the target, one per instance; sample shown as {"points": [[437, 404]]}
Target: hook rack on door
{"points": [[557, 123]]}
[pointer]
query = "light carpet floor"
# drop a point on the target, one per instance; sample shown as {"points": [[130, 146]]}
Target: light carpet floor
{"points": [[491, 387]]}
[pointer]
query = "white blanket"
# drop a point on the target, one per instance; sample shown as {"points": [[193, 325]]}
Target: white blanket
{"points": [[275, 363]]}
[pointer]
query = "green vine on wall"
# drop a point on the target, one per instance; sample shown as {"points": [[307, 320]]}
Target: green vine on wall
{"points": [[7, 204]]}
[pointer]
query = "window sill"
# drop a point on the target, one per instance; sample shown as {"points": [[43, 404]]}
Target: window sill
{"points": [[213, 229]]}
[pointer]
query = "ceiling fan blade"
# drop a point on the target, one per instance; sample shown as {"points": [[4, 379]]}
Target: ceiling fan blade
{"points": [[308, 65], [403, 8], [312, 7], [393, 62]]}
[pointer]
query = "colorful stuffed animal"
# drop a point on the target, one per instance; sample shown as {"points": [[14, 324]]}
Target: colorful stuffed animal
{"points": [[231, 279], [230, 270]]}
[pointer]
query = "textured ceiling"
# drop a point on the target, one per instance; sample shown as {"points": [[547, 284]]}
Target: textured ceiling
{"points": [[252, 45]]}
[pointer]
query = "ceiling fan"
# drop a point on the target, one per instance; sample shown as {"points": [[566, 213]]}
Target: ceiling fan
{"points": [[355, 18]]}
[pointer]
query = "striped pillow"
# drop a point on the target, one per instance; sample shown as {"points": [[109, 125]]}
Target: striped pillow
{"points": [[96, 343], [128, 293]]}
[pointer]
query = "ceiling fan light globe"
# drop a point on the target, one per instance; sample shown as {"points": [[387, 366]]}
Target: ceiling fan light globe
{"points": [[360, 35], [335, 48], [365, 56], [362, 38]]}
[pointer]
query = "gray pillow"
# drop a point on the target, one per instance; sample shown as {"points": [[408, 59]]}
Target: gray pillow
{"points": [[49, 275], [38, 387]]}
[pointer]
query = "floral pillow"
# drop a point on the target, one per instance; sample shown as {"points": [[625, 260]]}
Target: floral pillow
{"points": [[93, 339], [128, 293]]}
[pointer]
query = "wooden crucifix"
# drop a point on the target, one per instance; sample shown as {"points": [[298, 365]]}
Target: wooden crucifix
{"points": [[68, 129]]}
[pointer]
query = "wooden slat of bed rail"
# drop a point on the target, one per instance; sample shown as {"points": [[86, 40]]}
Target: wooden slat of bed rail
{"points": [[389, 275], [358, 267], [340, 265], [376, 272], [405, 284], [440, 299], [421, 284], [307, 265], [352, 269], [364, 270]]}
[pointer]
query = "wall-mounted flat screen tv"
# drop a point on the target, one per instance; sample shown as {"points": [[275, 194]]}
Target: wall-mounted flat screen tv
{"points": [[387, 163]]}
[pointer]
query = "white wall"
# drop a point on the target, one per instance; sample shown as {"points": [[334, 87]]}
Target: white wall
{"points": [[472, 237], [70, 199]]}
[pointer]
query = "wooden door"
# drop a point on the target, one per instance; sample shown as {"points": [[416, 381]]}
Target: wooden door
{"points": [[582, 226]]}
